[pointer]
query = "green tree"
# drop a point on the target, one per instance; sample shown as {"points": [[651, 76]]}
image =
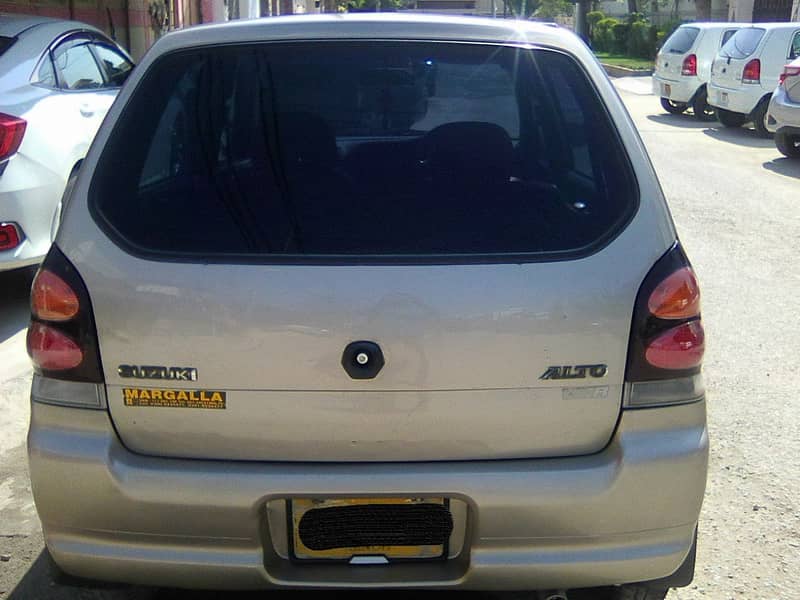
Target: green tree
{"points": [[550, 9]]}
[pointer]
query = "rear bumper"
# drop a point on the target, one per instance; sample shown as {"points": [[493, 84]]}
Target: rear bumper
{"points": [[625, 514], [739, 100], [782, 112], [680, 90]]}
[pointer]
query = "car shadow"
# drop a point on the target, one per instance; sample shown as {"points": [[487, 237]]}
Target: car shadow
{"points": [[740, 136], [14, 291], [784, 166], [684, 121], [41, 581]]}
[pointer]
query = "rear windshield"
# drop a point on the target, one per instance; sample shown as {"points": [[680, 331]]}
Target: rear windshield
{"points": [[6, 43], [342, 149], [680, 42], [743, 43]]}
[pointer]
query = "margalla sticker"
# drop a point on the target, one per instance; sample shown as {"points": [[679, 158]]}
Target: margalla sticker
{"points": [[159, 398]]}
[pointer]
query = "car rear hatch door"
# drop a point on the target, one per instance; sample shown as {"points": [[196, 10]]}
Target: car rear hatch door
{"points": [[729, 64], [500, 296], [669, 61]]}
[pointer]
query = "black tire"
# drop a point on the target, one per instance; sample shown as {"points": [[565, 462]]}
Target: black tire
{"points": [[788, 144], [759, 117], [638, 591], [703, 111], [731, 119], [673, 108]]}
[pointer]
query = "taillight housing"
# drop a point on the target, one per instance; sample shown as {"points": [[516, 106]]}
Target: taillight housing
{"points": [[667, 338], [689, 66], [788, 71], [752, 72], [62, 339], [10, 236], [12, 129]]}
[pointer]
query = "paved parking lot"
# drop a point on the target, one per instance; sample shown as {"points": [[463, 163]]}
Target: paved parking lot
{"points": [[736, 201]]}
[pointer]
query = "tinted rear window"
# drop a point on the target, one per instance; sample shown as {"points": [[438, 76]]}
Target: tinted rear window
{"points": [[680, 42], [6, 43], [743, 43], [363, 149]]}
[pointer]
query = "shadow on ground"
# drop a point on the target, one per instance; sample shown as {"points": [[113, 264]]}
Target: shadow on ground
{"points": [[684, 121], [42, 581], [14, 290], [784, 166], [740, 136]]}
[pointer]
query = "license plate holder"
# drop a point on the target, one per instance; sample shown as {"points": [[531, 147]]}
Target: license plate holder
{"points": [[723, 99], [298, 508], [666, 90]]}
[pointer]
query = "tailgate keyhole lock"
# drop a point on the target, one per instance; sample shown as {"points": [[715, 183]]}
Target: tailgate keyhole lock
{"points": [[362, 360]]}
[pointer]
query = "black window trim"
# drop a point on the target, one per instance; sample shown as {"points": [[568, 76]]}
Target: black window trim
{"points": [[88, 37], [113, 48], [596, 246]]}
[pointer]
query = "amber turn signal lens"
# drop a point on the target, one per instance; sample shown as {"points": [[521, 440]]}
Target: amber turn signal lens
{"points": [[51, 350], [52, 299], [677, 297]]}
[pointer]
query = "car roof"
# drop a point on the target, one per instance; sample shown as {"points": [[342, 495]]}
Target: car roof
{"points": [[784, 25], [13, 25], [714, 25], [413, 26]]}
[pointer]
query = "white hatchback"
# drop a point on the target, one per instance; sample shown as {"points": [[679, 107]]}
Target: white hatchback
{"points": [[747, 70], [683, 67], [57, 81]]}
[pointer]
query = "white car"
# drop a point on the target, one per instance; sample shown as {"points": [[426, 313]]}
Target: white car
{"points": [[783, 118], [683, 67], [57, 81], [747, 70]]}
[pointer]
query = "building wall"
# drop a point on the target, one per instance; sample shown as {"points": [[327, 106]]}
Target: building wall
{"points": [[685, 10]]}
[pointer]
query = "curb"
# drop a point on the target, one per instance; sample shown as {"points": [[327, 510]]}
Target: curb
{"points": [[615, 71]]}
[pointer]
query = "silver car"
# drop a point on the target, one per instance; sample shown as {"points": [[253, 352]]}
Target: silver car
{"points": [[784, 111], [369, 301], [57, 81]]}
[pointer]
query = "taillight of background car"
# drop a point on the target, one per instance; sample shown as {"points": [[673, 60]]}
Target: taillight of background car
{"points": [[789, 71], [62, 341], [752, 72], [689, 66], [12, 129], [10, 236], [667, 338]]}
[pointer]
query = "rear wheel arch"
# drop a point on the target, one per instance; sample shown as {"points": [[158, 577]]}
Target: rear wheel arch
{"points": [[759, 116]]}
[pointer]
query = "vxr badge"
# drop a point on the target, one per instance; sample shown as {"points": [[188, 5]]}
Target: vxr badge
{"points": [[575, 372]]}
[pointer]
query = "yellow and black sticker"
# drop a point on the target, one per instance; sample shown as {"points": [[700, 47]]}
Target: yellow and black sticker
{"points": [[174, 398]]}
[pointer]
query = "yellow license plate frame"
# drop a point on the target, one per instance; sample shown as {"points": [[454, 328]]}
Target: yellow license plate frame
{"points": [[297, 507]]}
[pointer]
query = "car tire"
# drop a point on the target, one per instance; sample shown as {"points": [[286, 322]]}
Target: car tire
{"points": [[788, 144], [731, 119], [759, 117], [703, 111], [673, 108], [638, 591]]}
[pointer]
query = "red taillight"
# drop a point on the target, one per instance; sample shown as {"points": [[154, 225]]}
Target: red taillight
{"points": [[11, 131], [52, 299], [689, 66], [667, 339], [679, 348], [676, 297], [788, 71], [752, 72], [62, 339], [52, 350], [10, 237]]}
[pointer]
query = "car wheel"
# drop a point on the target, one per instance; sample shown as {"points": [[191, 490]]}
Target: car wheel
{"points": [[731, 119], [638, 591], [788, 144], [703, 111], [673, 108], [759, 117]]}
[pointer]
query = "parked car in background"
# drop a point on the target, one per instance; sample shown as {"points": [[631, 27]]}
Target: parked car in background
{"points": [[447, 328], [57, 81], [783, 118], [683, 67], [746, 71]]}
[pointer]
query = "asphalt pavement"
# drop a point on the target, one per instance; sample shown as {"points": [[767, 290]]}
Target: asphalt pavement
{"points": [[735, 201]]}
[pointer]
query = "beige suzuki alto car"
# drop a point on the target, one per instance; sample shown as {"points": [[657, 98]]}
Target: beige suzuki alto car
{"points": [[369, 302]]}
